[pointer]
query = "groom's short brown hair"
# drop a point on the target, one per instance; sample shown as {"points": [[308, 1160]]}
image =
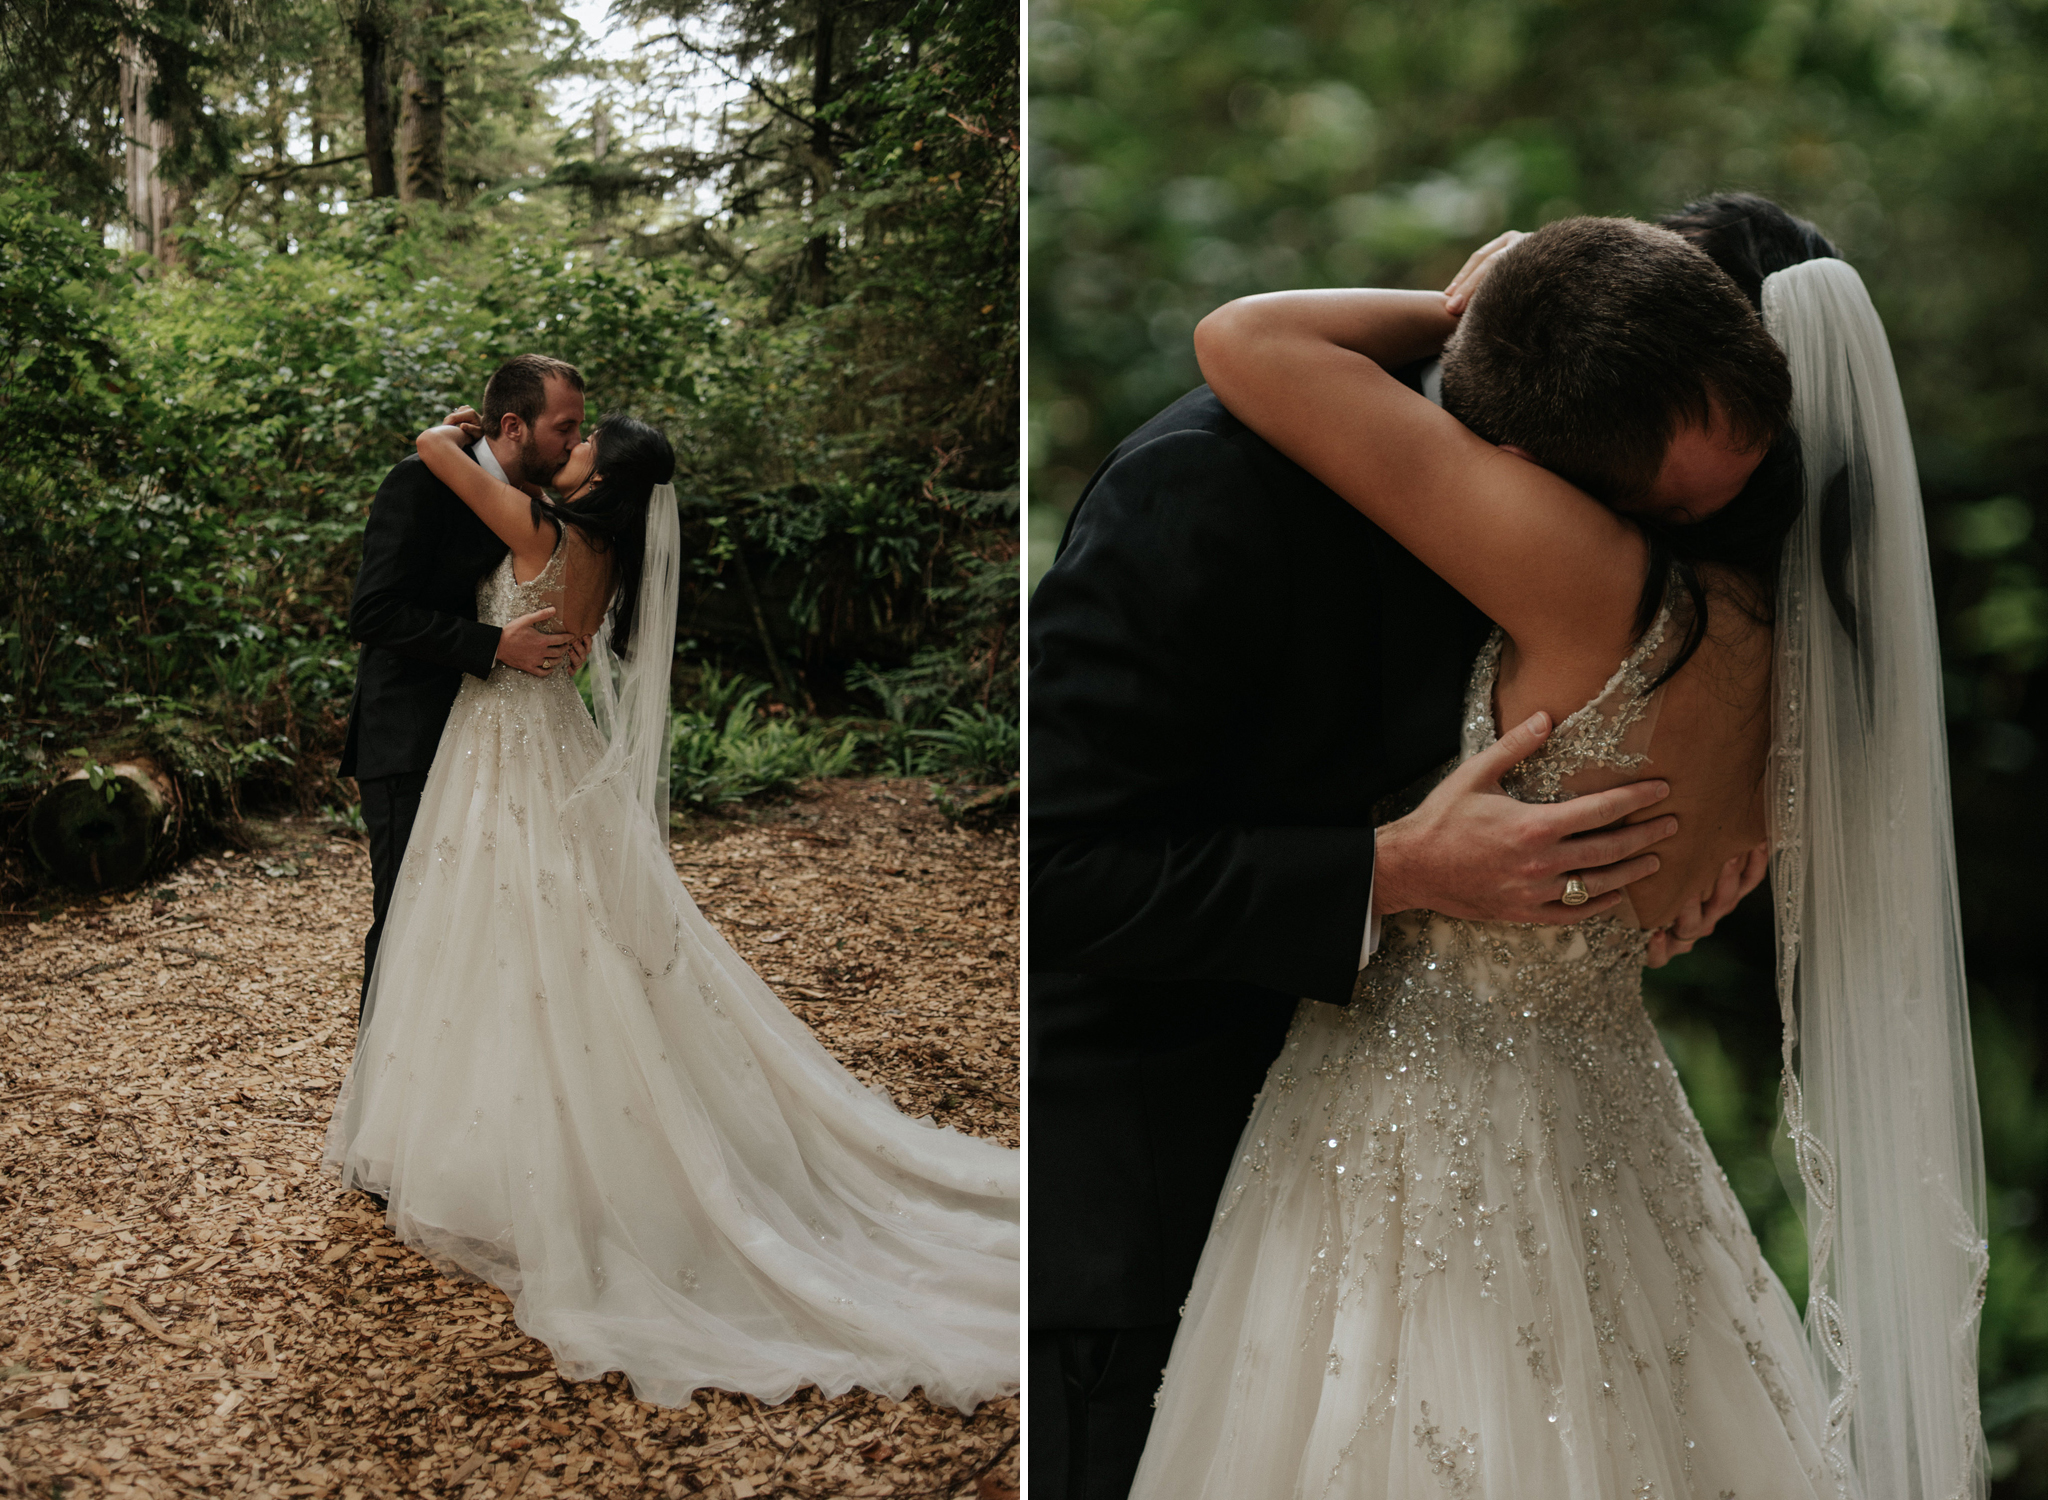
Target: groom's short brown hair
{"points": [[520, 389], [1592, 341]]}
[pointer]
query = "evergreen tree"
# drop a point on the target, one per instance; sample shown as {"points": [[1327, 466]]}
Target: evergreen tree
{"points": [[369, 22], [79, 77]]}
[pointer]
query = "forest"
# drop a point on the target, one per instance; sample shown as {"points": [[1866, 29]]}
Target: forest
{"points": [[247, 251], [1184, 152]]}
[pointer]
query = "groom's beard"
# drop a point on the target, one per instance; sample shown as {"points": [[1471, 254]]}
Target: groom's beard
{"points": [[531, 469]]}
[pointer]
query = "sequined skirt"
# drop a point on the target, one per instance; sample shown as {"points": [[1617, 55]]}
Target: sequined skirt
{"points": [[1475, 1244]]}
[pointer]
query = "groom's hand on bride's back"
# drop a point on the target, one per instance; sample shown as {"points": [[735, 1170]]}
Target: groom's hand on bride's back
{"points": [[1472, 851], [523, 645]]}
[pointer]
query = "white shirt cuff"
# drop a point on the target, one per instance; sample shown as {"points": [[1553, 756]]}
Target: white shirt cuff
{"points": [[1372, 927]]}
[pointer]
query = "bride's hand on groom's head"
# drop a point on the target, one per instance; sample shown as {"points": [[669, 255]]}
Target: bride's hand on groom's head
{"points": [[1458, 295], [468, 418], [1698, 918], [1472, 851]]}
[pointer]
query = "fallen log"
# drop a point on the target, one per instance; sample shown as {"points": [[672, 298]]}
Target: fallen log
{"points": [[106, 831]]}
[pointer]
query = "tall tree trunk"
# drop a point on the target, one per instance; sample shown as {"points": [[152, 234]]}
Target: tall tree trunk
{"points": [[374, 42], [423, 113], [423, 136], [151, 200], [818, 249]]}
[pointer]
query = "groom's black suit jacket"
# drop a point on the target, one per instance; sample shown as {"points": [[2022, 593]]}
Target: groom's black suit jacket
{"points": [[1229, 666], [414, 610]]}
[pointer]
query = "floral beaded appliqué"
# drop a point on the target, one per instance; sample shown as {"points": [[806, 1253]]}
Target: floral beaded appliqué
{"points": [[1595, 735]]}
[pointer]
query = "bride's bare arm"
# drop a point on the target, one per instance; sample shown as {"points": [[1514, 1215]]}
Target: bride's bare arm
{"points": [[505, 509], [1307, 371]]}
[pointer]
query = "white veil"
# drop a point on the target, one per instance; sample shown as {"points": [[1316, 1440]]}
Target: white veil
{"points": [[629, 699], [1881, 1107]]}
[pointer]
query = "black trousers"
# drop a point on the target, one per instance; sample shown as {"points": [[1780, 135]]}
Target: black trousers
{"points": [[1091, 1406], [390, 803]]}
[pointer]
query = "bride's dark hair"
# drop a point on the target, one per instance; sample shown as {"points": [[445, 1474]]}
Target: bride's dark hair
{"points": [[1748, 237], [628, 459]]}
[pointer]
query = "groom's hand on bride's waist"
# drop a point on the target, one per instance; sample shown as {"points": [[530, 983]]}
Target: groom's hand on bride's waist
{"points": [[1472, 851], [524, 645]]}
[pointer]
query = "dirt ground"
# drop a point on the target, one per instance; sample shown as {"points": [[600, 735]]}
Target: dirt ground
{"points": [[190, 1308]]}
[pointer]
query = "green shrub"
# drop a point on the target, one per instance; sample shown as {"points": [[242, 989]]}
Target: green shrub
{"points": [[191, 459], [974, 744], [723, 750]]}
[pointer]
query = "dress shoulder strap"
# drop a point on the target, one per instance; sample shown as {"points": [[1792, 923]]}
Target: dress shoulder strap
{"points": [[558, 560], [1610, 732]]}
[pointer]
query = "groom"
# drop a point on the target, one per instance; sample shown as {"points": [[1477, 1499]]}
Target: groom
{"points": [[1229, 668], [414, 609]]}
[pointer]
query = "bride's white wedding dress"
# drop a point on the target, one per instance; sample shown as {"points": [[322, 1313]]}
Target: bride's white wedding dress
{"points": [[568, 1084], [1474, 1242]]}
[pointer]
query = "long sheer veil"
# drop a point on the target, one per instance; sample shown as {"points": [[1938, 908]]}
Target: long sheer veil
{"points": [[629, 700], [1879, 1094]]}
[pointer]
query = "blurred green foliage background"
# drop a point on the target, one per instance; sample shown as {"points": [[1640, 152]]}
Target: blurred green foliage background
{"points": [[1182, 154]]}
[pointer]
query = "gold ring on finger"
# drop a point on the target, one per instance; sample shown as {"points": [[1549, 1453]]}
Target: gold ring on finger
{"points": [[1575, 892]]}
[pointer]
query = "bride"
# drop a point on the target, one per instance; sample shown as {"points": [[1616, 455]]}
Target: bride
{"points": [[568, 1084], [1473, 1241]]}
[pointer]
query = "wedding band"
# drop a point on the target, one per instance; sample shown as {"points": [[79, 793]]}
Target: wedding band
{"points": [[1575, 892]]}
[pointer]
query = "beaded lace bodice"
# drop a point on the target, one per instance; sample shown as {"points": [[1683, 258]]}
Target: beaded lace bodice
{"points": [[1613, 731], [1492, 1133], [501, 599]]}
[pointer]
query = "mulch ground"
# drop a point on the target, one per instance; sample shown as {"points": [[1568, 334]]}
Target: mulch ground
{"points": [[189, 1307]]}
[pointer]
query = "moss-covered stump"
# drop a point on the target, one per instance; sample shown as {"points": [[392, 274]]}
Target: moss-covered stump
{"points": [[106, 827], [192, 754]]}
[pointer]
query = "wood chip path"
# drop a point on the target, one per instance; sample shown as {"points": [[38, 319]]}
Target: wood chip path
{"points": [[190, 1308]]}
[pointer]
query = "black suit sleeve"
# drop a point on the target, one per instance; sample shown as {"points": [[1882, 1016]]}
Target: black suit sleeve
{"points": [[399, 559], [1149, 637]]}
